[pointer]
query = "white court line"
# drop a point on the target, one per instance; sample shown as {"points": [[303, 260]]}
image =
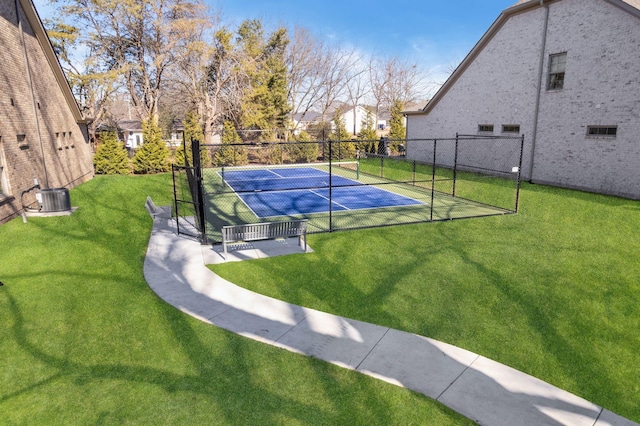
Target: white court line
{"points": [[334, 202]]}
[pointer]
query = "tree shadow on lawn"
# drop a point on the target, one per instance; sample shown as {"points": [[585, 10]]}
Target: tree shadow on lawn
{"points": [[581, 370], [217, 378]]}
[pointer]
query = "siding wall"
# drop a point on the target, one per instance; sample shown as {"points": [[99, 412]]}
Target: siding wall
{"points": [[602, 87], [54, 141]]}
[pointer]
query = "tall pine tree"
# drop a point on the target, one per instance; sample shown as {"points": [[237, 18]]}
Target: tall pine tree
{"points": [[228, 155], [192, 130], [153, 156], [265, 104], [396, 123]]}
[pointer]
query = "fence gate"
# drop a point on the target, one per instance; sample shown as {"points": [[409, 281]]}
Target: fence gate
{"points": [[188, 194]]}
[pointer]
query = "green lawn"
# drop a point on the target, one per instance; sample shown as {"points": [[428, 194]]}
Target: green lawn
{"points": [[553, 291], [85, 341]]}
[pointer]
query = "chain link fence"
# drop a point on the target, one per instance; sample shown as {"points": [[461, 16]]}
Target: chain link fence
{"points": [[349, 184]]}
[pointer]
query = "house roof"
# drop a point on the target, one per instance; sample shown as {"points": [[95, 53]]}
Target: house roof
{"points": [[308, 116], [631, 6], [47, 48], [130, 125]]}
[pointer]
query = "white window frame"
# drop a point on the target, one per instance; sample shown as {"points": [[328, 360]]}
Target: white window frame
{"points": [[557, 70]]}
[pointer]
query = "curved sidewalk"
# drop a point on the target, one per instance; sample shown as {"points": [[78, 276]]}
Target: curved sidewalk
{"points": [[478, 388]]}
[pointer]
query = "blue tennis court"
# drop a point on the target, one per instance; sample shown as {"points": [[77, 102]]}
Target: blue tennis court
{"points": [[299, 191]]}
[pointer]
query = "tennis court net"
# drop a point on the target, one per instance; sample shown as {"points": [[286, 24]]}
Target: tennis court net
{"points": [[350, 169]]}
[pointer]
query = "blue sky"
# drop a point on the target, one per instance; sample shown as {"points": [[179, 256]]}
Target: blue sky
{"points": [[433, 34]]}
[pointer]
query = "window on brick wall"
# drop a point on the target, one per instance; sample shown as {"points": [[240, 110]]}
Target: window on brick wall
{"points": [[485, 128], [602, 131], [510, 128], [22, 141], [557, 66], [4, 187]]}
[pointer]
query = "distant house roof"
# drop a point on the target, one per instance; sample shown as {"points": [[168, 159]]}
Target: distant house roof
{"points": [[176, 125], [308, 116], [130, 125], [631, 6]]}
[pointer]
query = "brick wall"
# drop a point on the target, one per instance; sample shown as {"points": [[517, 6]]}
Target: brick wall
{"points": [[602, 87], [39, 136]]}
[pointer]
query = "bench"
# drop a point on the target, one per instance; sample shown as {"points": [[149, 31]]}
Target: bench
{"points": [[163, 212], [265, 231]]}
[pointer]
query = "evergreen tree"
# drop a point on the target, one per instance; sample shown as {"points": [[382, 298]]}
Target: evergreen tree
{"points": [[228, 155], [303, 150], [265, 104], [397, 132], [192, 130], [153, 156], [367, 135], [111, 157], [342, 149]]}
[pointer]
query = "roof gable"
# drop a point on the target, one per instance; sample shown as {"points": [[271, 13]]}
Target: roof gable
{"points": [[43, 39], [630, 6]]}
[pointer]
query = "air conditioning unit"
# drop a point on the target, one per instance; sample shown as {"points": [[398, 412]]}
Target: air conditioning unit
{"points": [[53, 200]]}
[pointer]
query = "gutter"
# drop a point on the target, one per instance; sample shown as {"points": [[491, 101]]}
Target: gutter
{"points": [[536, 112], [33, 95]]}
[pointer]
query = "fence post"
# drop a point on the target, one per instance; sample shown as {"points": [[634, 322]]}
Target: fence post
{"points": [[455, 168], [198, 196], [175, 193], [330, 187], [414, 173], [519, 173], [433, 178]]}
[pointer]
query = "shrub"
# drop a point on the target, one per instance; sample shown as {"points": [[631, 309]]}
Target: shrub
{"points": [[111, 157]]}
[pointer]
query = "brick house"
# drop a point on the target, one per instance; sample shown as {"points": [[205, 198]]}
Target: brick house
{"points": [[565, 74], [43, 137]]}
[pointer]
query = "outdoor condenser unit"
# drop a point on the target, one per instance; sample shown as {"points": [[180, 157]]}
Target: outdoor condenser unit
{"points": [[53, 200]]}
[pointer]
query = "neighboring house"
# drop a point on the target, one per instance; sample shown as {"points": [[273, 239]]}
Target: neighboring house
{"points": [[130, 132], [353, 119], [383, 122], [302, 121], [43, 137], [176, 134], [563, 73]]}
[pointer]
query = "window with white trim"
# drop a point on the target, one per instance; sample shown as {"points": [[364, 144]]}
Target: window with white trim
{"points": [[557, 67]]}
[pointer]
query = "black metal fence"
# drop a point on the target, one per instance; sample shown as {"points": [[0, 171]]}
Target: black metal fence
{"points": [[340, 185]]}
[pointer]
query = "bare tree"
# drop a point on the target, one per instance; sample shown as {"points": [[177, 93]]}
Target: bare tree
{"points": [[395, 80], [92, 84], [334, 73], [304, 60], [140, 40], [358, 85]]}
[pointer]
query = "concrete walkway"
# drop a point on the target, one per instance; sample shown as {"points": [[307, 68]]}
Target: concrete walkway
{"points": [[481, 389]]}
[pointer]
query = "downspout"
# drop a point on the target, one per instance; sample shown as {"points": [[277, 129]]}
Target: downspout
{"points": [[406, 134], [536, 112], [33, 95]]}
